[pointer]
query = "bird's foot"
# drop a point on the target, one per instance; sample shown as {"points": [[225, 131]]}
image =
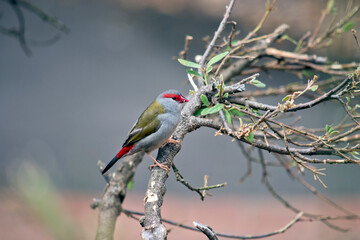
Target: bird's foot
{"points": [[160, 165], [170, 140], [157, 164]]}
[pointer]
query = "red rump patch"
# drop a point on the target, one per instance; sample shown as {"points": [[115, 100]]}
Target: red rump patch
{"points": [[178, 98], [124, 151]]}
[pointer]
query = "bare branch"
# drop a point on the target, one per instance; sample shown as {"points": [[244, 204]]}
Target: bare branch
{"points": [[297, 218], [206, 230], [183, 53], [311, 188], [181, 179], [20, 32], [261, 124], [216, 36], [53, 21], [110, 203], [238, 66]]}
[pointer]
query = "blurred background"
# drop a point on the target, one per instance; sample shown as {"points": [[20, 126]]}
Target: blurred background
{"points": [[73, 102]]}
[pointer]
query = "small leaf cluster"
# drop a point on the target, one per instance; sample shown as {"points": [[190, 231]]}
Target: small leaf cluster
{"points": [[204, 72], [208, 108], [329, 130], [229, 111], [245, 131], [289, 99], [257, 83]]}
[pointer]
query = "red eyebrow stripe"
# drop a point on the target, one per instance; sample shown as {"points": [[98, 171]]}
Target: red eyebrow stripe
{"points": [[178, 98], [170, 95]]}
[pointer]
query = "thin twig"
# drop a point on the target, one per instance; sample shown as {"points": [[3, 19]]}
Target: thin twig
{"points": [[188, 40], [297, 218], [21, 31], [191, 80], [353, 31], [311, 188], [216, 36], [181, 179], [53, 21], [324, 13]]}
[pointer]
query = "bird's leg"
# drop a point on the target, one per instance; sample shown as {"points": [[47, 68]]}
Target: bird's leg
{"points": [[170, 140], [163, 166]]}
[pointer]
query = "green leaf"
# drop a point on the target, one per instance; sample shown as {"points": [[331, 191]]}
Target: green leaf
{"points": [[234, 42], [215, 108], [209, 69], [188, 63], [250, 138], [236, 112], [217, 58], [348, 26], [355, 155], [286, 98], [204, 100], [226, 95], [205, 111], [333, 10], [192, 72], [256, 111], [351, 75], [287, 37], [227, 116], [328, 128], [314, 88], [198, 112], [330, 5], [334, 132], [257, 83], [130, 184]]}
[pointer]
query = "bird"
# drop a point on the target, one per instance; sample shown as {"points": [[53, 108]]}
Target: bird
{"points": [[153, 128]]}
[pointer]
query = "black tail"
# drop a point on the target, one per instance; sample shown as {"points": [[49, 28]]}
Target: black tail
{"points": [[110, 164]]}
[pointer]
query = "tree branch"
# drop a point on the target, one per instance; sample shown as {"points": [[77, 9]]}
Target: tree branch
{"points": [[19, 32], [216, 36], [151, 222], [237, 67], [202, 190], [211, 235], [110, 203], [298, 142]]}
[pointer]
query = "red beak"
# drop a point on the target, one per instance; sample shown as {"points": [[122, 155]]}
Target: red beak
{"points": [[183, 99]]}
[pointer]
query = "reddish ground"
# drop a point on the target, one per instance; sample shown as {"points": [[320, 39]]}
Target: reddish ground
{"points": [[231, 214]]}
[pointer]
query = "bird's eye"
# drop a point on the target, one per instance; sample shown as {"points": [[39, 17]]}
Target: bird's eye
{"points": [[174, 98]]}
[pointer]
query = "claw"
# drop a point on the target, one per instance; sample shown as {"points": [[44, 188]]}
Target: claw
{"points": [[163, 166], [160, 165]]}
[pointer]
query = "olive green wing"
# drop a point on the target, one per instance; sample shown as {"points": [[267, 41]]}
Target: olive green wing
{"points": [[147, 124]]}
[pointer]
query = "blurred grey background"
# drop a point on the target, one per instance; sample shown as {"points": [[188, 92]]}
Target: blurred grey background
{"points": [[73, 103]]}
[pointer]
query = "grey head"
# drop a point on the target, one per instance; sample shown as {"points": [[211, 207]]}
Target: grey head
{"points": [[172, 100]]}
